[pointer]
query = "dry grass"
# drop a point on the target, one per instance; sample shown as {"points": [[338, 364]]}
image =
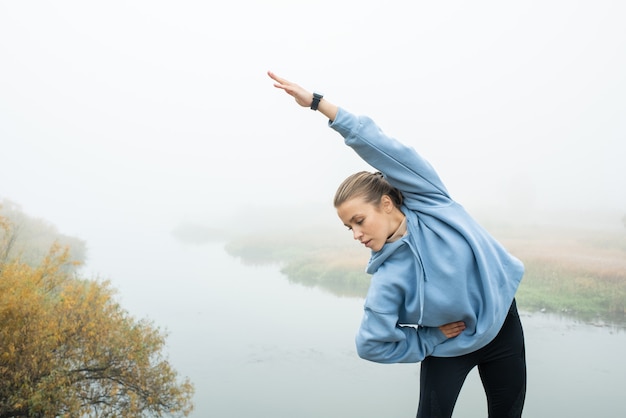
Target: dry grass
{"points": [[580, 272]]}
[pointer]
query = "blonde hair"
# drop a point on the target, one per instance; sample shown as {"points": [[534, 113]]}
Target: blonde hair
{"points": [[369, 186]]}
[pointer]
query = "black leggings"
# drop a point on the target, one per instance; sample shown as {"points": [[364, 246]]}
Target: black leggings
{"points": [[502, 368]]}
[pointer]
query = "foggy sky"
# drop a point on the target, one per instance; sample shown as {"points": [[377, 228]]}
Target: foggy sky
{"points": [[125, 114]]}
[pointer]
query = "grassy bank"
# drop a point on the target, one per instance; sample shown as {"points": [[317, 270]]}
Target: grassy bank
{"points": [[581, 273], [578, 273]]}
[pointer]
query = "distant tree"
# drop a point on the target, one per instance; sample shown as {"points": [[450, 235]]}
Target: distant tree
{"points": [[30, 238], [7, 239], [67, 348]]}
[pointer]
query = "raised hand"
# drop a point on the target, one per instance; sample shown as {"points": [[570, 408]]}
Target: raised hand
{"points": [[302, 96]]}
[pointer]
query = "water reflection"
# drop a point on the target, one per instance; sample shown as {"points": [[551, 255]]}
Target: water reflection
{"points": [[255, 344]]}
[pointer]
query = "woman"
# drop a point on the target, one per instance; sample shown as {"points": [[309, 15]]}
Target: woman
{"points": [[442, 289]]}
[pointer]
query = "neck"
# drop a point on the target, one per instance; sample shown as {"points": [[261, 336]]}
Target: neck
{"points": [[397, 225]]}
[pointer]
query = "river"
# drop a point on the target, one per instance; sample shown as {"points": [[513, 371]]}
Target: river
{"points": [[255, 344]]}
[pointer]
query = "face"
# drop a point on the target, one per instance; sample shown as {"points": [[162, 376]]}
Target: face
{"points": [[370, 225]]}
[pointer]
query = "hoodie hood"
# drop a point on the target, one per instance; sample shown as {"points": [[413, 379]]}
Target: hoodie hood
{"points": [[378, 257]]}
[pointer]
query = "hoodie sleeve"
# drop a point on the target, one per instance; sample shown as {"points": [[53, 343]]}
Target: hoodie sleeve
{"points": [[387, 334], [382, 340], [401, 165]]}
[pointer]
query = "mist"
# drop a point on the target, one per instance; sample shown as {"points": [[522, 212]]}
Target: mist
{"points": [[140, 128], [121, 117]]}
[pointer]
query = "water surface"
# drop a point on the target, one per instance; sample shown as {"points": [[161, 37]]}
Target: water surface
{"points": [[256, 345]]}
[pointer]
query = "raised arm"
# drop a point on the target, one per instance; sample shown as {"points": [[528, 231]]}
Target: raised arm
{"points": [[402, 166], [303, 97]]}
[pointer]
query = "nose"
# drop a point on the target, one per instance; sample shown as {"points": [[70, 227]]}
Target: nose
{"points": [[357, 234]]}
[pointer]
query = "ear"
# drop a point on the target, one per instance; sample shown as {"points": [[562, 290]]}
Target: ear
{"points": [[386, 203]]}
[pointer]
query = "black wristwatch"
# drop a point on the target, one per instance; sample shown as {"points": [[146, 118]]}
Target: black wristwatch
{"points": [[316, 100]]}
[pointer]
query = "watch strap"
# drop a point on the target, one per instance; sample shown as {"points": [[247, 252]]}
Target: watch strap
{"points": [[316, 100]]}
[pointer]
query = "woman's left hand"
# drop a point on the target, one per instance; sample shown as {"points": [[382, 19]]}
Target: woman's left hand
{"points": [[452, 329]]}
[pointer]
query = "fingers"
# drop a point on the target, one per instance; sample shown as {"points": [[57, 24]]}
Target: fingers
{"points": [[302, 97], [273, 76], [452, 329], [281, 83]]}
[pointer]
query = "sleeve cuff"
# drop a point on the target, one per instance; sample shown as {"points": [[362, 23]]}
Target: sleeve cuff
{"points": [[344, 122]]}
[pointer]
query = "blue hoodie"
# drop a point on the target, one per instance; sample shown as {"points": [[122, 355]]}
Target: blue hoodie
{"points": [[446, 268]]}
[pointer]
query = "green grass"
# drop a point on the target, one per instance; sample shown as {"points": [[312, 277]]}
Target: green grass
{"points": [[586, 293], [340, 280]]}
